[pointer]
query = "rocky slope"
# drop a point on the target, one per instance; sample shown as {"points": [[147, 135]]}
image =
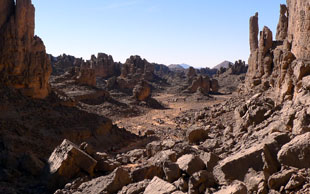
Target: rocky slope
{"points": [[254, 141]]}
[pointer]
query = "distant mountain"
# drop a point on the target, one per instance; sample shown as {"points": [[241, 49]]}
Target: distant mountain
{"points": [[176, 67], [179, 66], [185, 66], [224, 64]]}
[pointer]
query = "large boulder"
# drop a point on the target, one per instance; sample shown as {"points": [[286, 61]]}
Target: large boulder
{"points": [[159, 186], [24, 63], [67, 161], [111, 183], [296, 153], [196, 134], [190, 164], [235, 167]]}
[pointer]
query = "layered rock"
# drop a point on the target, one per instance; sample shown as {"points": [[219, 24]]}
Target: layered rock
{"points": [[24, 63]]}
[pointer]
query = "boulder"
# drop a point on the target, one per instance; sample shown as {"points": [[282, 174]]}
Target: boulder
{"points": [[236, 188], [196, 134], [152, 148], [172, 171], [210, 159], [67, 161], [199, 181], [159, 186], [190, 164], [235, 167], [146, 172], [135, 188], [296, 153], [164, 156], [111, 183], [296, 181], [279, 179]]}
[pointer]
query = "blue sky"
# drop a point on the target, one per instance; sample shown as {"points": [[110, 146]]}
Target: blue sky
{"points": [[201, 33]]}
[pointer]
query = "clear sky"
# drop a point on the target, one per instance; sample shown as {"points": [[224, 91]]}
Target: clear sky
{"points": [[201, 33]]}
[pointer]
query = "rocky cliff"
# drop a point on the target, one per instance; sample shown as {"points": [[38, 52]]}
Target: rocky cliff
{"points": [[23, 61]]}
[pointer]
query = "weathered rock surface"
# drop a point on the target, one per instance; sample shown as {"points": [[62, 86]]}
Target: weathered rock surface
{"points": [[236, 188], [196, 134], [103, 65], [142, 91], [296, 153], [111, 183], [67, 161], [159, 186], [24, 63], [190, 164], [236, 166]]}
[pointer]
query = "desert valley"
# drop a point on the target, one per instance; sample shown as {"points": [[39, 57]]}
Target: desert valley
{"points": [[69, 125]]}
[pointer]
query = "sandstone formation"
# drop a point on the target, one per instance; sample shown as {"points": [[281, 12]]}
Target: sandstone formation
{"points": [[85, 76], [64, 63], [104, 65], [142, 91], [283, 24], [24, 64]]}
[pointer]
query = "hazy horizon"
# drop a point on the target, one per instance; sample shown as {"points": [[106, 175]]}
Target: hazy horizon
{"points": [[201, 34]]}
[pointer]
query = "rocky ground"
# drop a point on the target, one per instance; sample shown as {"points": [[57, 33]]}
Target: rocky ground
{"points": [[139, 127]]}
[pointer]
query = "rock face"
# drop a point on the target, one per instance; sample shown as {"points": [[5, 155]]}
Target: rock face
{"points": [[24, 63], [298, 27]]}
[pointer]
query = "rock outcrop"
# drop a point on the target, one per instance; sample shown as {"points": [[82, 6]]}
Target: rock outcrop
{"points": [[283, 24], [142, 91], [24, 63], [103, 65]]}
